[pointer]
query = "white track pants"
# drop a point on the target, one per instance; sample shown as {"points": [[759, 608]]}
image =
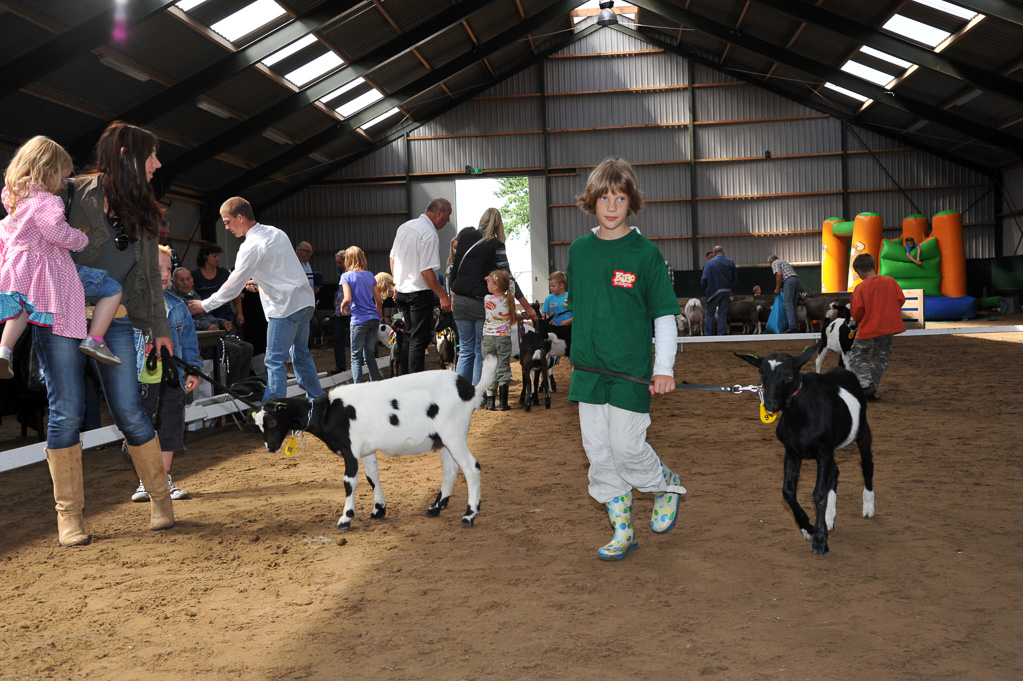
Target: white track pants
{"points": [[620, 457]]}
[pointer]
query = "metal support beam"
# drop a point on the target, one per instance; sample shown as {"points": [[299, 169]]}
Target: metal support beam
{"points": [[383, 141], [87, 36], [219, 71], [995, 8], [836, 76], [305, 97], [898, 47], [432, 79]]}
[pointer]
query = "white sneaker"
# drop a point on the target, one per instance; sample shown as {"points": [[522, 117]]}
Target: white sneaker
{"points": [[175, 493], [140, 494]]}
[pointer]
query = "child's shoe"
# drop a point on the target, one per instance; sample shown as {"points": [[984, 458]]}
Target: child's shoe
{"points": [[490, 402], [665, 505], [5, 362], [98, 351], [140, 494], [176, 493], [619, 510], [502, 392]]}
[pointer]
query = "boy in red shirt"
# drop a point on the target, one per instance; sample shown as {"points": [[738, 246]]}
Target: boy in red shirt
{"points": [[877, 308]]}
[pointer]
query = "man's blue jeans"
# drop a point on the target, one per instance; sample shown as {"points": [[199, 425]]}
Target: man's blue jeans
{"points": [[717, 308], [289, 336], [64, 367], [364, 346], [470, 349], [790, 290]]}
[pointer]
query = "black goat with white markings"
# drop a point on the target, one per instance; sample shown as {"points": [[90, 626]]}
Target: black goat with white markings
{"points": [[819, 414], [534, 347], [411, 414]]}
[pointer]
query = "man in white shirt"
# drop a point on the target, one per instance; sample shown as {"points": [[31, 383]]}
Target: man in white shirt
{"points": [[266, 260], [304, 251], [415, 259]]}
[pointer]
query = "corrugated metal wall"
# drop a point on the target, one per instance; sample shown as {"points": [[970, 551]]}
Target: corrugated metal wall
{"points": [[1012, 204], [767, 170]]}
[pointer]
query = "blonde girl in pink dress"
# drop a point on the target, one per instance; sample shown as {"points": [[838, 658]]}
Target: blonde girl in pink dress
{"points": [[39, 283]]}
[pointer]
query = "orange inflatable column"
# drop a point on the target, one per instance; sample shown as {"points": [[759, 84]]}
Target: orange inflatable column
{"points": [[834, 259], [914, 226], [948, 227], [866, 238]]}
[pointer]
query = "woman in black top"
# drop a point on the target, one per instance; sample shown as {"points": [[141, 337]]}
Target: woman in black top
{"points": [[479, 252]]}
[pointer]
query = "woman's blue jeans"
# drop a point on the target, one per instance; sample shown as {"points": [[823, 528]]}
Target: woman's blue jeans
{"points": [[289, 337], [470, 349], [64, 367], [364, 345]]}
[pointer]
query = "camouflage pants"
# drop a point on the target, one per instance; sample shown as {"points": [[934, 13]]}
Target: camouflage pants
{"points": [[869, 371]]}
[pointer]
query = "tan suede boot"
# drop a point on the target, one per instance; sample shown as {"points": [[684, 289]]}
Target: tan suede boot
{"points": [[148, 462], [69, 493]]}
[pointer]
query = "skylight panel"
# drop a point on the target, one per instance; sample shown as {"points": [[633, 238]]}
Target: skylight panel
{"points": [[848, 93], [916, 30], [949, 8], [289, 50], [248, 19], [380, 119], [314, 69], [866, 73], [343, 89], [359, 103], [186, 5], [886, 57]]}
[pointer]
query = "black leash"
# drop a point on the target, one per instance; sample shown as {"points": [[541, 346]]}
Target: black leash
{"points": [[189, 369], [735, 389]]}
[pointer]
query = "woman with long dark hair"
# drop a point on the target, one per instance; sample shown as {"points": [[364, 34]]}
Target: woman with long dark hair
{"points": [[116, 208]]}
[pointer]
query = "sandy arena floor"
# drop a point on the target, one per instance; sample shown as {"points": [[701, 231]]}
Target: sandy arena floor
{"points": [[254, 582]]}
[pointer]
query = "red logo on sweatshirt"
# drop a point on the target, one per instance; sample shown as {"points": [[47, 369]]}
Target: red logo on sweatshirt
{"points": [[623, 279]]}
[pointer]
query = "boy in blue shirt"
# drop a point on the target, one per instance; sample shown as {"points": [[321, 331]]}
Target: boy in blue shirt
{"points": [[554, 305], [171, 432]]}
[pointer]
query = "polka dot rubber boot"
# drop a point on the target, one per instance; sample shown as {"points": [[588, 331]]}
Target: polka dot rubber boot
{"points": [[619, 510], [665, 505]]}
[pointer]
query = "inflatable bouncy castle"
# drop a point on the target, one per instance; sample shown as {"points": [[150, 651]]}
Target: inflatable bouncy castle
{"points": [[941, 273]]}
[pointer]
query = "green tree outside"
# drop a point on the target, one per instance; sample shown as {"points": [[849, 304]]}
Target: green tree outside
{"points": [[515, 211]]}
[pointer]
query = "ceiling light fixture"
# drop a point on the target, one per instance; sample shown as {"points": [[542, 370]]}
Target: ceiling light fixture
{"points": [[121, 67], [210, 108], [607, 16]]}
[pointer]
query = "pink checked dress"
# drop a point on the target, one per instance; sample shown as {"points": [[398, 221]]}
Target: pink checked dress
{"points": [[36, 270]]}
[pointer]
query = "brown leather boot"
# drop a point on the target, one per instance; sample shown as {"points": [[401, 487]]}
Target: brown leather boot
{"points": [[148, 461], [69, 493]]}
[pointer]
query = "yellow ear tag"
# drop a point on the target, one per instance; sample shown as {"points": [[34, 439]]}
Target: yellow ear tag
{"points": [[766, 416], [289, 449], [852, 334]]}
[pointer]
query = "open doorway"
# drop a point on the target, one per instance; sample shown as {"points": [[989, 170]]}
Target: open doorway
{"points": [[510, 196]]}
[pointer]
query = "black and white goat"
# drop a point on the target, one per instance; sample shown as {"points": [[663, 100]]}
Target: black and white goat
{"points": [[411, 414], [819, 414], [838, 337], [534, 346]]}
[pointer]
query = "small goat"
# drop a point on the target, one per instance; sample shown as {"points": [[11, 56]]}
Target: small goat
{"points": [[446, 348], [747, 313], [694, 316], [534, 347], [411, 414], [819, 414], [838, 337]]}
